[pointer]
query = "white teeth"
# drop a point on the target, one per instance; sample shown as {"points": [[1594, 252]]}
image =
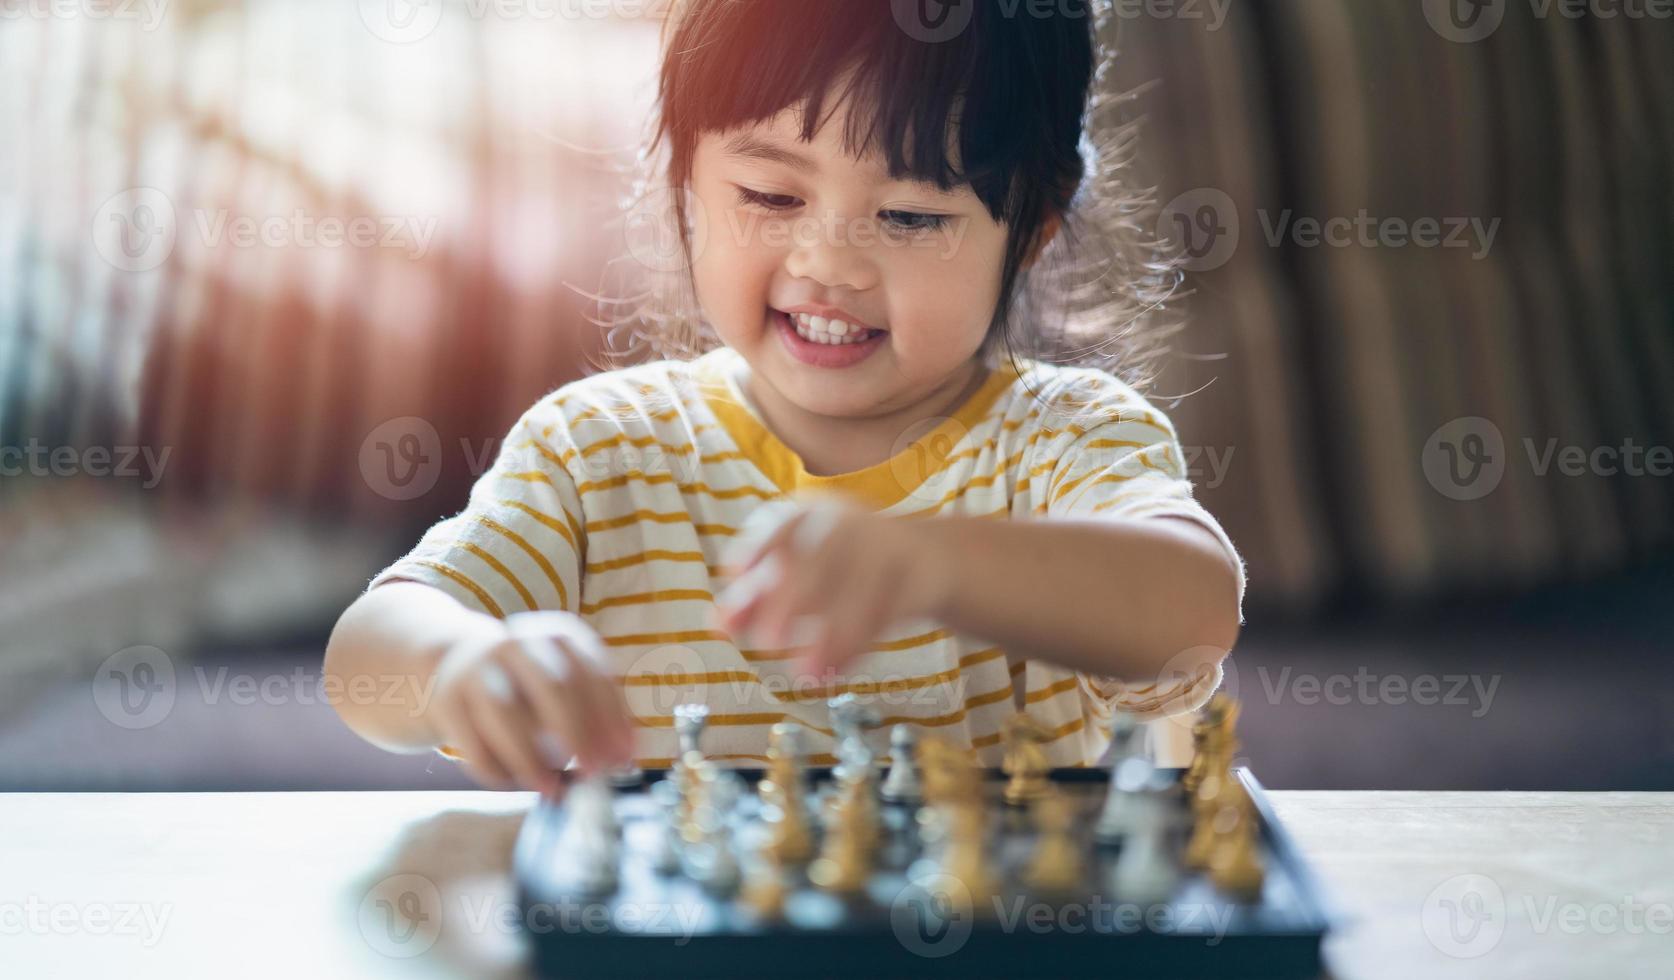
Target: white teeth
{"points": [[823, 331]]}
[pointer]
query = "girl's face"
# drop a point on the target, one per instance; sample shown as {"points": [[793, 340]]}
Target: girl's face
{"points": [[791, 224]]}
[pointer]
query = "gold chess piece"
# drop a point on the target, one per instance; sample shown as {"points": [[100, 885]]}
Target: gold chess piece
{"points": [[1025, 761], [1210, 818], [1234, 863], [845, 860], [949, 774], [764, 889], [790, 840], [1213, 743], [965, 857], [1055, 867]]}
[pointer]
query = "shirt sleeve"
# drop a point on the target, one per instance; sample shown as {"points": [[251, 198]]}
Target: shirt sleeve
{"points": [[519, 543], [1123, 461]]}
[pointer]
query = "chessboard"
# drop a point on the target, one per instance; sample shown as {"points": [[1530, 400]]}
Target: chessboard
{"points": [[929, 866]]}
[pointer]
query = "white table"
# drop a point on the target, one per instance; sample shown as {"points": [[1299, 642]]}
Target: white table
{"points": [[304, 884]]}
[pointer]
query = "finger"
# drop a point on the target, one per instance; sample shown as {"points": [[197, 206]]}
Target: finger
{"points": [[616, 723], [806, 590], [479, 762], [739, 603], [509, 729], [762, 530], [539, 675], [860, 616], [593, 726]]}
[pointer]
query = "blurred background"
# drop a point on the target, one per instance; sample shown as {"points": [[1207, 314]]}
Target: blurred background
{"points": [[276, 275]]}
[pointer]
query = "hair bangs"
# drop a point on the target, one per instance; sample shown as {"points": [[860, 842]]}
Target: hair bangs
{"points": [[733, 65]]}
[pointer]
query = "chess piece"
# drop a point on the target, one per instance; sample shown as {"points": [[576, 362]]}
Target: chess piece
{"points": [[1055, 866], [1025, 761], [666, 859], [1213, 745], [1147, 872], [845, 859], [709, 857], [689, 723], [764, 889], [948, 774], [964, 855], [1234, 865], [850, 719], [594, 832], [1131, 769], [790, 840], [902, 785], [629, 776]]}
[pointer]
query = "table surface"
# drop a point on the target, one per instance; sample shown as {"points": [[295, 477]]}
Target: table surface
{"points": [[309, 884]]}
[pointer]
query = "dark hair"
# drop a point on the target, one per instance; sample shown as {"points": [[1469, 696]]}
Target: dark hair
{"points": [[1017, 89]]}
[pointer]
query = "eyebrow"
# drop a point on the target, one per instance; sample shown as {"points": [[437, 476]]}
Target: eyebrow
{"points": [[752, 147]]}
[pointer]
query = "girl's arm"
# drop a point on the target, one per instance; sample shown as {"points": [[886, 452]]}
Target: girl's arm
{"points": [[412, 668], [380, 663], [1123, 598]]}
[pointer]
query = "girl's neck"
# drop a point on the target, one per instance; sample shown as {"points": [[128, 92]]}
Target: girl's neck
{"points": [[829, 445]]}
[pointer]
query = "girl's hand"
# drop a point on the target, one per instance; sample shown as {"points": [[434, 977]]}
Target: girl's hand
{"points": [[828, 576], [519, 702]]}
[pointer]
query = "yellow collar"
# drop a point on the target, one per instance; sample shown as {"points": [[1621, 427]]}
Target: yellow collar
{"points": [[881, 485]]}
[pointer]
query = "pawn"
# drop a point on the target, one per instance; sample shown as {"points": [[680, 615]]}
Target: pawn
{"points": [[1147, 871], [902, 785], [1055, 867]]}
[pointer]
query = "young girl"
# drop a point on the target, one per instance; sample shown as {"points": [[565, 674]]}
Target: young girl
{"points": [[883, 451]]}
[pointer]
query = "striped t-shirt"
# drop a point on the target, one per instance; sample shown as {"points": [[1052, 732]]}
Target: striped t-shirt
{"points": [[615, 498]]}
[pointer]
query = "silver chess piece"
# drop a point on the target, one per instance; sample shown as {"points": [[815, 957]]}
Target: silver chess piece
{"points": [[1131, 770], [666, 795], [1148, 869], [714, 864], [627, 777], [850, 719], [902, 785], [689, 723], [595, 835]]}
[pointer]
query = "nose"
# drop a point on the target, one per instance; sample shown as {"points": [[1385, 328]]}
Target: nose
{"points": [[824, 252]]}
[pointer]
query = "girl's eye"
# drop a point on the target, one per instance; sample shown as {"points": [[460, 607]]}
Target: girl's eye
{"points": [[914, 221], [772, 202], [910, 220]]}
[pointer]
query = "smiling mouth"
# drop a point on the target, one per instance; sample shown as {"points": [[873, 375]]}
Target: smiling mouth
{"points": [[834, 333]]}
